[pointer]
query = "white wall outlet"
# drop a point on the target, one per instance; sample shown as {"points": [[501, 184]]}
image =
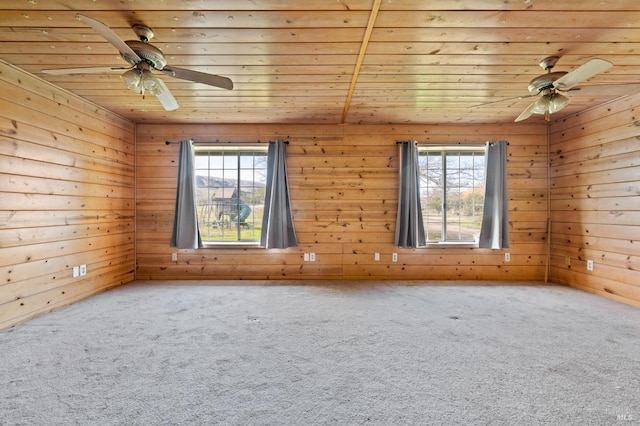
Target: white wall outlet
{"points": [[507, 257], [394, 257], [306, 257], [589, 265], [312, 257], [376, 257], [174, 257], [76, 271], [83, 270]]}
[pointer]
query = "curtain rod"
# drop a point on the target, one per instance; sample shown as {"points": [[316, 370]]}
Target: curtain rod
{"points": [[453, 143], [217, 142]]}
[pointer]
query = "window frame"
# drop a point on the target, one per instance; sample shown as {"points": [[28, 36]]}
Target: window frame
{"points": [[222, 149], [443, 149]]}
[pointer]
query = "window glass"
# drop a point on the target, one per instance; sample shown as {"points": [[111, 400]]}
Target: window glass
{"points": [[452, 192], [231, 187]]}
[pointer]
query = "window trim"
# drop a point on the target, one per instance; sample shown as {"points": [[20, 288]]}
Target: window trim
{"points": [[231, 147], [452, 147]]}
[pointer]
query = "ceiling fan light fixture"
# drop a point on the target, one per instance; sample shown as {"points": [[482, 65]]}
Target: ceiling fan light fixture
{"points": [[549, 104], [541, 106], [151, 83], [557, 101], [132, 79], [156, 90]]}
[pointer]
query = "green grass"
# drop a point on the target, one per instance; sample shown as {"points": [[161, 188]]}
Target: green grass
{"points": [[226, 231]]}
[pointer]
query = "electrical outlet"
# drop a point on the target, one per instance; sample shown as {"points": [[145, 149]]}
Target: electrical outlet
{"points": [[376, 257], [83, 270], [589, 265], [567, 261], [306, 257], [76, 271], [394, 257], [312, 257], [174, 257], [507, 257]]}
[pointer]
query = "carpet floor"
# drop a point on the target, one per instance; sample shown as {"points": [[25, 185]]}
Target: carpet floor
{"points": [[326, 353]]}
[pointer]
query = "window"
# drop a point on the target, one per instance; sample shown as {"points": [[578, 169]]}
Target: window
{"points": [[452, 192], [230, 191]]}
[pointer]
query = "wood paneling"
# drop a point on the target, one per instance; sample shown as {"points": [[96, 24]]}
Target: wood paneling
{"points": [[67, 197], [421, 62], [344, 189], [595, 200]]}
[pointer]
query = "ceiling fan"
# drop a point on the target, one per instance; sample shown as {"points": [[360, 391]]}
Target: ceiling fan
{"points": [[143, 58], [551, 84]]}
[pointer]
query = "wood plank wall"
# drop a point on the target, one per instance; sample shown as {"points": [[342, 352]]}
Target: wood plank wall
{"points": [[595, 200], [344, 185], [67, 197]]}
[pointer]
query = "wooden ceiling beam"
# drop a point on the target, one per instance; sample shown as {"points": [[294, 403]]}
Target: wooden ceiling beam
{"points": [[363, 48]]}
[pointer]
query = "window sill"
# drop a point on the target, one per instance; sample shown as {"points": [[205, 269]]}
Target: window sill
{"points": [[448, 244], [232, 245]]}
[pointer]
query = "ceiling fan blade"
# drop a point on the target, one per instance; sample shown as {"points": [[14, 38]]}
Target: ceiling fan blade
{"points": [[89, 70], [611, 89], [199, 77], [111, 37], [583, 72], [166, 98], [527, 112], [502, 100]]}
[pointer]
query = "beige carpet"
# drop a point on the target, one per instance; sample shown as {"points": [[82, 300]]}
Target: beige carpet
{"points": [[181, 353]]}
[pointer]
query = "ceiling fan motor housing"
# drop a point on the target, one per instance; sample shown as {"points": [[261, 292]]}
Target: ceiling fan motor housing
{"points": [[148, 53], [544, 82]]}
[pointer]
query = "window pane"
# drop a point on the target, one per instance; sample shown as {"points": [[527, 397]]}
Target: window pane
{"points": [[433, 217], [231, 161], [201, 162], [453, 161], [247, 161], [215, 161], [432, 198]]}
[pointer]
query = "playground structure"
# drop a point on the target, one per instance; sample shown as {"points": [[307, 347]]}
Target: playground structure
{"points": [[224, 209]]}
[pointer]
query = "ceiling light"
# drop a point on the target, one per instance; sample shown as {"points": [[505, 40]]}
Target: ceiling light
{"points": [[150, 83], [541, 106], [550, 103], [557, 102], [132, 79]]}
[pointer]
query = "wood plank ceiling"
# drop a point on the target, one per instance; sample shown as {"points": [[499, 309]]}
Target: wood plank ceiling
{"points": [[333, 61]]}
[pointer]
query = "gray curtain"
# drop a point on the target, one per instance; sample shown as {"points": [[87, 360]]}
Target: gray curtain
{"points": [[277, 222], [186, 234], [494, 233], [409, 224]]}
